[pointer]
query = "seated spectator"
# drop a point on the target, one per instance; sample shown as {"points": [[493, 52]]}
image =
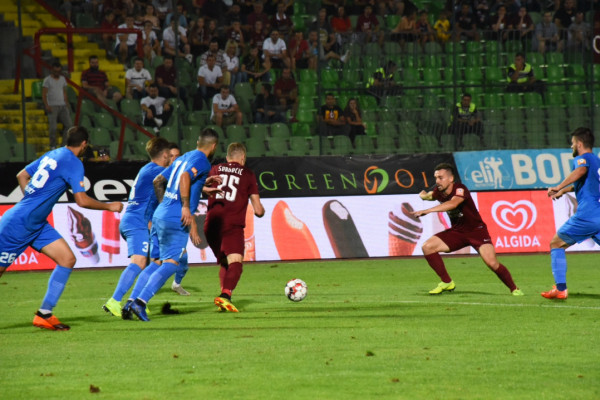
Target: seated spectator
{"points": [[564, 17], [286, 91], [150, 15], [382, 82], [258, 15], [466, 24], [482, 13], [254, 68], [325, 33], [299, 51], [235, 35], [354, 120], [342, 26], [225, 110], [368, 26], [521, 27], [580, 33], [406, 29], [442, 28], [218, 54], [210, 79], [198, 37], [275, 51], [96, 82], [546, 33], [151, 43], [166, 78], [266, 107], [162, 7], [521, 78], [282, 23], [125, 45], [499, 25], [331, 118], [109, 22], [136, 79], [318, 53], [233, 14], [156, 111], [424, 30], [181, 12], [233, 73], [176, 43], [465, 119], [258, 36]]}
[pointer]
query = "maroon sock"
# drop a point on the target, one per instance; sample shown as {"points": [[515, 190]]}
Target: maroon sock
{"points": [[222, 273], [505, 277], [234, 272], [435, 261]]}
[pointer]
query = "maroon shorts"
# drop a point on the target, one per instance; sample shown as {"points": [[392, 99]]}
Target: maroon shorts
{"points": [[223, 243], [457, 239]]}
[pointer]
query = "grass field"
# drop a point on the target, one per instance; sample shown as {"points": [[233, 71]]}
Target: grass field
{"points": [[367, 330]]}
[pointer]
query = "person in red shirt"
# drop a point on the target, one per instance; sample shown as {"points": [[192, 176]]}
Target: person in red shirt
{"points": [[226, 219], [299, 54], [165, 77], [368, 25], [95, 81], [341, 24], [286, 91], [468, 229]]}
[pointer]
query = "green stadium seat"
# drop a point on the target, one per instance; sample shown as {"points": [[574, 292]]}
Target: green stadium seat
{"points": [[341, 145], [198, 118], [471, 142], [255, 147], [408, 129], [407, 144], [278, 146], [279, 130], [574, 98], [513, 100], [532, 99], [243, 90], [191, 133], [329, 75], [554, 74], [99, 137], [473, 74], [308, 75], [387, 114], [491, 46], [513, 46], [306, 116], [299, 146], [219, 131], [431, 76], [300, 129], [307, 89], [235, 133], [170, 133], [554, 58], [432, 48], [259, 131], [385, 145], [411, 76], [448, 142], [492, 100], [391, 21], [433, 61], [363, 144], [388, 129], [369, 115], [391, 48], [429, 144], [554, 99], [367, 102]]}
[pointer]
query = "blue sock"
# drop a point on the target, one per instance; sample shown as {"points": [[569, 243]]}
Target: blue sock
{"points": [[56, 285], [126, 281], [182, 269], [559, 268], [143, 279], [157, 280]]}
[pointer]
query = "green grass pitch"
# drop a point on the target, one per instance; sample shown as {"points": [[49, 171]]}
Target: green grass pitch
{"points": [[367, 330]]}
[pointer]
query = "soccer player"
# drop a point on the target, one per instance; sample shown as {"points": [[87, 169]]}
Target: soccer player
{"points": [[585, 223], [134, 226], [226, 218], [468, 229], [43, 182], [176, 188]]}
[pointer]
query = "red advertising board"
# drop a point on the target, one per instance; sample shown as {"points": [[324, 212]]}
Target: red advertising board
{"points": [[518, 222]]}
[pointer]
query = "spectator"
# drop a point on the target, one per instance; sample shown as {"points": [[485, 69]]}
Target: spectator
{"points": [[521, 28], [317, 51], [465, 119], [125, 46], [151, 43], [275, 51], [466, 26], [282, 23], [235, 35], [254, 68], [225, 110], [521, 78], [136, 79], [546, 33], [442, 28], [198, 37], [342, 26], [406, 29], [176, 43], [299, 51], [96, 82], [218, 54], [564, 17], [266, 107], [499, 25], [258, 36], [56, 103], [286, 91], [325, 33], [210, 79], [232, 74], [424, 30], [382, 82], [482, 13], [580, 33], [354, 120], [109, 22], [331, 118], [156, 111], [234, 13], [332, 5], [150, 15], [258, 15], [162, 7], [181, 16], [368, 26], [166, 79]]}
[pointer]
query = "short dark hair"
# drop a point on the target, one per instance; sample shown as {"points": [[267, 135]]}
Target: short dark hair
{"points": [[138, 59], [56, 64], [173, 145], [519, 54], [467, 95], [267, 87], [93, 56], [447, 166], [208, 136], [585, 136], [77, 135], [153, 85], [156, 145]]}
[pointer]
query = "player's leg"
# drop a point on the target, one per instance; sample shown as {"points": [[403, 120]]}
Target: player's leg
{"points": [[488, 255], [431, 250], [558, 263], [182, 269], [232, 245]]}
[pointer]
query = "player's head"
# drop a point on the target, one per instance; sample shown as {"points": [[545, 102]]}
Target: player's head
{"points": [[174, 152], [158, 150], [236, 152], [78, 137], [208, 141], [581, 139], [444, 176]]}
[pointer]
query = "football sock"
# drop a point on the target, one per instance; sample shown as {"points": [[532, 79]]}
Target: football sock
{"points": [[182, 269], [437, 264], [222, 273], [234, 272], [143, 279], [505, 276], [56, 285], [559, 268], [157, 280], [126, 281]]}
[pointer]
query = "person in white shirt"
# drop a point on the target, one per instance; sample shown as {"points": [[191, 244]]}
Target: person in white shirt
{"points": [[136, 80], [170, 41], [225, 110], [125, 45], [56, 103], [210, 79], [275, 51], [155, 109], [233, 74], [151, 42]]}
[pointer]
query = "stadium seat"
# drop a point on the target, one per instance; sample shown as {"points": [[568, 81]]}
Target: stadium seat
{"points": [[385, 145], [533, 99], [573, 98], [554, 74], [255, 147], [243, 90], [307, 89], [308, 75], [306, 116], [554, 99], [170, 133], [299, 146], [512, 100], [391, 21], [329, 75], [191, 133], [235, 133], [363, 144], [278, 147], [258, 131], [387, 129], [100, 137], [280, 130], [198, 118], [341, 145], [432, 48], [300, 129], [408, 129], [554, 58], [492, 100], [411, 76]]}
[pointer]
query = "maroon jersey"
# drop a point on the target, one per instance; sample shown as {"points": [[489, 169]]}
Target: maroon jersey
{"points": [[466, 216], [238, 184]]}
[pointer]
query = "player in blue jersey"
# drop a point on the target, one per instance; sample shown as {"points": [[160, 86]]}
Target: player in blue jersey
{"points": [[178, 186], [43, 182], [134, 226], [585, 223]]}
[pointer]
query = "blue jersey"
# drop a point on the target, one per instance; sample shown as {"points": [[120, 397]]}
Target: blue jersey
{"points": [[197, 166], [587, 188], [142, 199], [51, 175]]}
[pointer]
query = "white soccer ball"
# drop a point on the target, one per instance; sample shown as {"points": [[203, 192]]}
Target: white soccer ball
{"points": [[296, 289]]}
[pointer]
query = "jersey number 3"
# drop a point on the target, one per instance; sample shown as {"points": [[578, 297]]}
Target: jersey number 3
{"points": [[230, 181]]}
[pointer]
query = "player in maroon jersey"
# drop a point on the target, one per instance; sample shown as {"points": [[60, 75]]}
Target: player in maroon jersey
{"points": [[468, 229], [226, 218]]}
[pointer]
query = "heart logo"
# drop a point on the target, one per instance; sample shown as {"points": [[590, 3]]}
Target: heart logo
{"points": [[514, 217]]}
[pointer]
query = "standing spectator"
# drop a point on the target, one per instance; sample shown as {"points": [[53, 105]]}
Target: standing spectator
{"points": [[176, 43], [56, 103], [546, 33], [266, 106], [162, 7], [466, 24], [255, 68], [282, 23], [156, 111], [286, 91], [225, 110], [125, 46], [465, 119], [165, 77], [151, 43], [521, 28], [258, 15], [136, 79], [580, 33], [442, 28], [213, 50], [299, 51], [354, 120], [210, 79], [233, 74], [96, 82], [109, 22], [564, 17], [521, 78], [368, 25], [275, 51], [331, 118]]}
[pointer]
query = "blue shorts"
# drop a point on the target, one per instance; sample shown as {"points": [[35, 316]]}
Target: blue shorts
{"points": [[154, 249], [576, 230], [172, 239], [138, 241], [14, 239]]}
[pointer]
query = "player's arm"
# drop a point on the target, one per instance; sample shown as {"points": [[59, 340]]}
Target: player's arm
{"points": [[185, 183], [426, 195], [23, 178], [196, 240], [259, 210], [574, 176], [85, 201], [453, 203], [160, 184]]}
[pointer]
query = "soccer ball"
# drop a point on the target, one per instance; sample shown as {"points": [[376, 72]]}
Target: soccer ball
{"points": [[296, 289]]}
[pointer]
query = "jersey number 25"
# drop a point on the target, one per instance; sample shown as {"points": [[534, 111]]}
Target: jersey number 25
{"points": [[230, 181]]}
